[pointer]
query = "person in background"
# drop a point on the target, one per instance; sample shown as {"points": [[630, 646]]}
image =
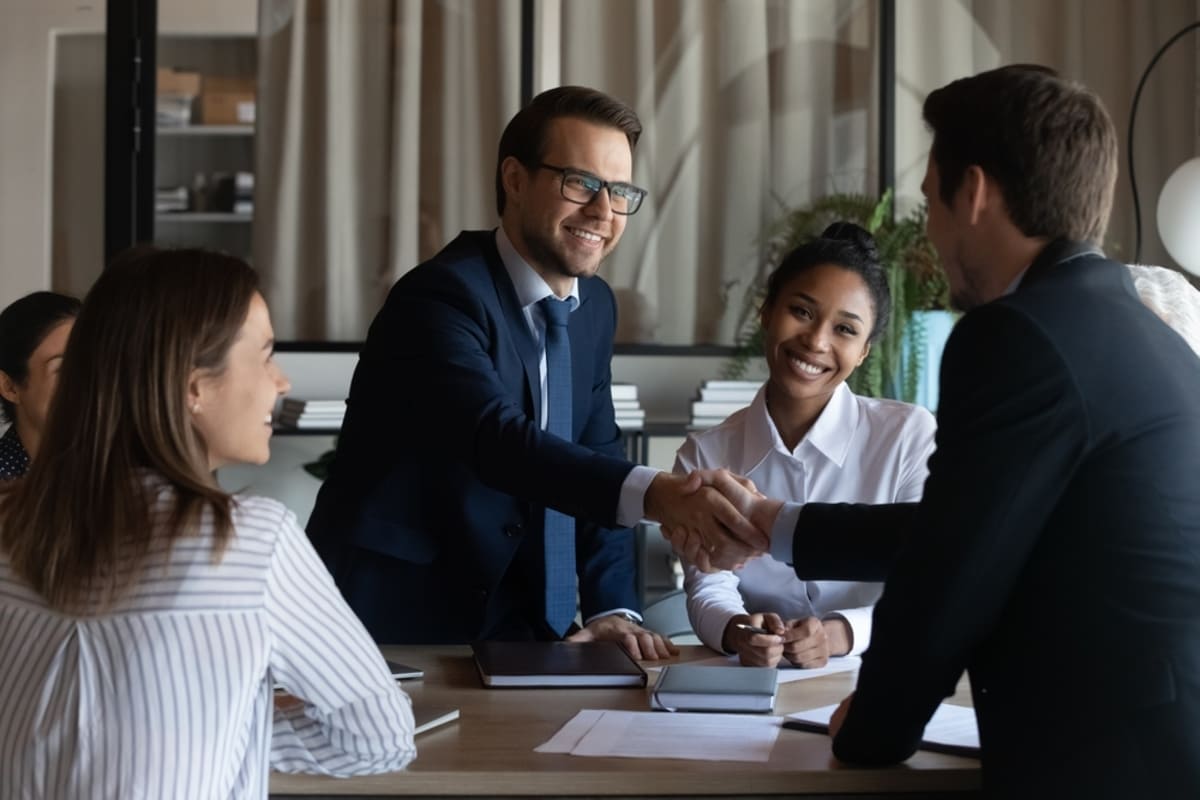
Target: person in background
{"points": [[33, 335], [145, 614], [808, 438]]}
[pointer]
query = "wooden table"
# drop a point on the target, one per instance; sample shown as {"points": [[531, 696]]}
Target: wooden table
{"points": [[489, 751]]}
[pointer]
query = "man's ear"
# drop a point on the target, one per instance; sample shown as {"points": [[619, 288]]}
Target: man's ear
{"points": [[976, 191], [514, 177], [9, 389]]}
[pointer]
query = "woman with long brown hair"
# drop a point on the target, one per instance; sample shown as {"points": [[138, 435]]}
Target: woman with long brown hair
{"points": [[145, 614]]}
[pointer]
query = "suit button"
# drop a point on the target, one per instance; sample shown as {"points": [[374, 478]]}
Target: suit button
{"points": [[483, 593], [516, 529]]}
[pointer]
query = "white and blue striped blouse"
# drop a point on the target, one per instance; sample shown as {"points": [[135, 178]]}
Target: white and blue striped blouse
{"points": [[169, 693]]}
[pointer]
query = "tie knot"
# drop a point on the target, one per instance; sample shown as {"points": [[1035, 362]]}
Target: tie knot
{"points": [[556, 310]]}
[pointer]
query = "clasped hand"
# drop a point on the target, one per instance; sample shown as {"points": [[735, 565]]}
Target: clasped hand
{"points": [[712, 518]]}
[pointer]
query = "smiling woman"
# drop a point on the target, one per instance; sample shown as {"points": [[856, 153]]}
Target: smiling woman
{"points": [[129, 580], [808, 438]]}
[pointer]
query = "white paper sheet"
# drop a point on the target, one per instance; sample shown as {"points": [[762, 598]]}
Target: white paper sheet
{"points": [[569, 735], [648, 734], [950, 724], [787, 672]]}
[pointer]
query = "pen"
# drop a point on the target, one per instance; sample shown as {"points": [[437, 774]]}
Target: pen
{"points": [[751, 629]]}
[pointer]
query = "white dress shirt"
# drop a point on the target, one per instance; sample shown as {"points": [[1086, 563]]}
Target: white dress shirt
{"points": [[531, 289], [169, 693], [859, 450]]}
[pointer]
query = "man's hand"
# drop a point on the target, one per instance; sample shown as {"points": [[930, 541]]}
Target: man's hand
{"points": [[809, 642], [640, 643], [755, 649], [702, 525], [839, 716], [709, 554]]}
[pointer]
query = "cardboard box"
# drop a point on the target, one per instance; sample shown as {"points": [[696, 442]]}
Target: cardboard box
{"points": [[179, 83], [227, 101]]}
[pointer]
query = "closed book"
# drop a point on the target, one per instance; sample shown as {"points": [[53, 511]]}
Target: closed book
{"points": [[530, 664], [624, 391], [427, 717], [691, 687], [752, 385], [625, 405], [728, 395], [716, 408], [300, 404]]}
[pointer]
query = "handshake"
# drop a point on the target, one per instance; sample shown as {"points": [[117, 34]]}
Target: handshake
{"points": [[712, 518]]}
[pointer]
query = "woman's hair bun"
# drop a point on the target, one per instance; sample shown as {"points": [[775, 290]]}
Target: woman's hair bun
{"points": [[855, 235]]}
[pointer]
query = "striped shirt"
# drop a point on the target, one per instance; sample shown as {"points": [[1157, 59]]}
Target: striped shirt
{"points": [[169, 693]]}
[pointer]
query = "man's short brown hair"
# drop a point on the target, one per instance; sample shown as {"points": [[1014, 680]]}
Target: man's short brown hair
{"points": [[524, 137], [1048, 142]]}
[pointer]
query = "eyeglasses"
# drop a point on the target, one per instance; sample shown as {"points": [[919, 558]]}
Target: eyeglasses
{"points": [[582, 187]]}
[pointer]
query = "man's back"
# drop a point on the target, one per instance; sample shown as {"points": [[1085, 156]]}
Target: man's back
{"points": [[1055, 551]]}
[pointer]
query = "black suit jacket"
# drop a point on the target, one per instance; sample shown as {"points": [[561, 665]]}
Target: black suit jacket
{"points": [[1055, 554], [431, 517]]}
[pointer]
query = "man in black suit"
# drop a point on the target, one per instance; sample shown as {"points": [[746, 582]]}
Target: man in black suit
{"points": [[1055, 555], [479, 481]]}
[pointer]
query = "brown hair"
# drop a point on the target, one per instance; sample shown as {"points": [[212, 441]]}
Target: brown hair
{"points": [[82, 520], [524, 137], [1048, 143]]}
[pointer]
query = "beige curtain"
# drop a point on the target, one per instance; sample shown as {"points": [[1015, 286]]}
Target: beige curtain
{"points": [[377, 127], [1106, 44], [748, 107]]}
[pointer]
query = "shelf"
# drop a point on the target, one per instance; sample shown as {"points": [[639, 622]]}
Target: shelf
{"points": [[192, 217], [207, 130]]}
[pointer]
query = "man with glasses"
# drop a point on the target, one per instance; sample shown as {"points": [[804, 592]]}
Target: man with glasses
{"points": [[479, 481]]}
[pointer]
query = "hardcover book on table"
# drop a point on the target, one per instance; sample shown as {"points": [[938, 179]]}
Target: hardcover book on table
{"points": [[532, 664], [692, 687]]}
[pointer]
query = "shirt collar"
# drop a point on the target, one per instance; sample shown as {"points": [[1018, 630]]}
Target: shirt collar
{"points": [[830, 435], [529, 285]]}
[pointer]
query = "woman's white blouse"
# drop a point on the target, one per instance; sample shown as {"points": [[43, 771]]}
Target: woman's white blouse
{"points": [[860, 450], [170, 693]]}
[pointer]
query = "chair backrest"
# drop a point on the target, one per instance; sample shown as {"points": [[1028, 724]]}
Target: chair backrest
{"points": [[1168, 294], [668, 615]]}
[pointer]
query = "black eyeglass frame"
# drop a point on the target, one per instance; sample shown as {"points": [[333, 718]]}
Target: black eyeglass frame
{"points": [[566, 172]]}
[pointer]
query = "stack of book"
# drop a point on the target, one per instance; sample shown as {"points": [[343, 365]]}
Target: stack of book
{"points": [[300, 414], [169, 199], [718, 399], [629, 411]]}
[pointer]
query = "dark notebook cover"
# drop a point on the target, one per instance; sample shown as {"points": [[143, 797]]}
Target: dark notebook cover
{"points": [[556, 664]]}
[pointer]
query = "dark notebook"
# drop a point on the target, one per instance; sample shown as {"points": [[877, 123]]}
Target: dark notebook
{"points": [[556, 664]]}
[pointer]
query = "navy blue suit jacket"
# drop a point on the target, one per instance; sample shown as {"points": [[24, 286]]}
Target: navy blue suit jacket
{"points": [[431, 517], [1055, 554]]}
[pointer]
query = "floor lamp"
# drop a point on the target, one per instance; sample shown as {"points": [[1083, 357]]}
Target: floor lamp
{"points": [[1178, 213]]}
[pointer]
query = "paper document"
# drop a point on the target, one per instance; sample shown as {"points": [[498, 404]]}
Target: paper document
{"points": [[952, 729], [646, 734], [787, 672]]}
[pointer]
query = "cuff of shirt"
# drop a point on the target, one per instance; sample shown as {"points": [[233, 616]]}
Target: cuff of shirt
{"points": [[784, 532], [631, 508], [640, 619], [858, 620]]}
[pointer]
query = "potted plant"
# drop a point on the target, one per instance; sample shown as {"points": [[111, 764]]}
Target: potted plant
{"points": [[897, 363]]}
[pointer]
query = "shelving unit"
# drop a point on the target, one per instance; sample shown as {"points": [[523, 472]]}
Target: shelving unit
{"points": [[193, 155]]}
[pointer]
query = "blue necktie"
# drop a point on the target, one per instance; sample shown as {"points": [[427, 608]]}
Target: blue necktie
{"points": [[559, 528]]}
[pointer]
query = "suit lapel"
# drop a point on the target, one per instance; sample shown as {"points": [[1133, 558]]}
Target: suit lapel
{"points": [[522, 338]]}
